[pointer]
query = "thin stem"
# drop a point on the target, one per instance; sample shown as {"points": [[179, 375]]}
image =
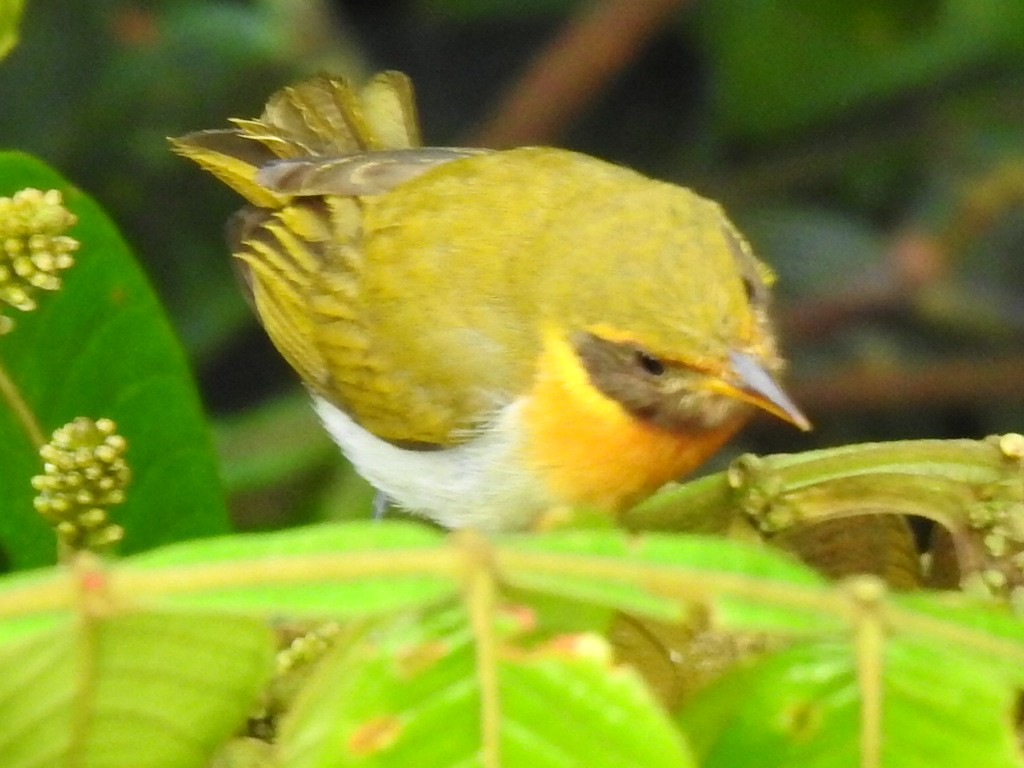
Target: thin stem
{"points": [[10, 392], [868, 596], [574, 68], [283, 570], [37, 594], [521, 568], [481, 598]]}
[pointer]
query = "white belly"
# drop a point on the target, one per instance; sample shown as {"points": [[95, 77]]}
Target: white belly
{"points": [[481, 483]]}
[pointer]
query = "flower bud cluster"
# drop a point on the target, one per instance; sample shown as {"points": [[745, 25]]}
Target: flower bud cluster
{"points": [[34, 248], [84, 473]]}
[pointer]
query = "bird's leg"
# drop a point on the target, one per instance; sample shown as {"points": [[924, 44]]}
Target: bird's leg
{"points": [[381, 502]]}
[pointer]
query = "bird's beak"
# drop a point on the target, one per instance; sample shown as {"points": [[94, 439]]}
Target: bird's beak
{"points": [[754, 385]]}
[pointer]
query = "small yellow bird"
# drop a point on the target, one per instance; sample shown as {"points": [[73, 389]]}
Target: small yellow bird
{"points": [[491, 335]]}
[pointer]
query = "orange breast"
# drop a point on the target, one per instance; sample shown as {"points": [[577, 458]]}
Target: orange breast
{"points": [[589, 450]]}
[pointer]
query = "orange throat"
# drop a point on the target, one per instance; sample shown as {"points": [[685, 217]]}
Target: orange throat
{"points": [[589, 450]]}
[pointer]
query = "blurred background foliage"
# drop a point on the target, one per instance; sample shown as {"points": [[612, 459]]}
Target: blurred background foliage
{"points": [[872, 150]]}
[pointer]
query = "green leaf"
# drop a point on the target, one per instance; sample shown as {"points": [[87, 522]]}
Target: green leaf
{"points": [[802, 706], [408, 694], [10, 15], [992, 632], [102, 347], [748, 587], [783, 707], [156, 689], [562, 710], [341, 569]]}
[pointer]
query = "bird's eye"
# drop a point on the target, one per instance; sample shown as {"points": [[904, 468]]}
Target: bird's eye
{"points": [[649, 363]]}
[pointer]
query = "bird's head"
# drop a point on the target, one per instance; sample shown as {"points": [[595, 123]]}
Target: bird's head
{"points": [[684, 339]]}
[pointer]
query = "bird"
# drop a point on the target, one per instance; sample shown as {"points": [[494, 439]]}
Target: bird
{"points": [[492, 335]]}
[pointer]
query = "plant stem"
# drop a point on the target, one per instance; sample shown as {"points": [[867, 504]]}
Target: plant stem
{"points": [[936, 479], [10, 392], [868, 596], [481, 597], [566, 75]]}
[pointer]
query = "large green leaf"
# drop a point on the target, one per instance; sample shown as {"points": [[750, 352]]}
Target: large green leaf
{"points": [[101, 347], [160, 690], [409, 694]]}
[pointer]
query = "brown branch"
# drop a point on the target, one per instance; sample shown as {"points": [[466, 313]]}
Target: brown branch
{"points": [[574, 67], [818, 317], [948, 382], [914, 260]]}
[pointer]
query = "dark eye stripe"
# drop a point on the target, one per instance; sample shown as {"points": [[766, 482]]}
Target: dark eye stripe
{"points": [[649, 363]]}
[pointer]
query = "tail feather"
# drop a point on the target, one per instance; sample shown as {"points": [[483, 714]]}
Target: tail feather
{"points": [[390, 108], [323, 116], [320, 117], [233, 160], [316, 118]]}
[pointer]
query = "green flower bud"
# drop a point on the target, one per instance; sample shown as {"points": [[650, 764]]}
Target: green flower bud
{"points": [[84, 474], [34, 248]]}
